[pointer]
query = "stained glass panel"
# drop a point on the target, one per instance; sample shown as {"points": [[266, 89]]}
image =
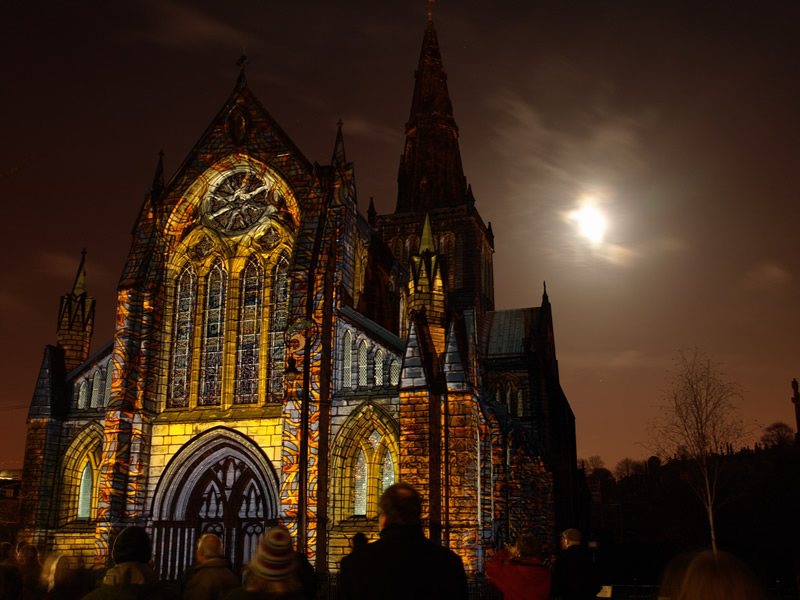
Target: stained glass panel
{"points": [[280, 312], [379, 368], [109, 380], [362, 364], [85, 493], [248, 348], [360, 485], [97, 389], [347, 363], [387, 472], [374, 438], [182, 340], [213, 338], [394, 372]]}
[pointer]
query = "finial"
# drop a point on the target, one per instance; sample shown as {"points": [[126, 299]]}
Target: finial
{"points": [[544, 285], [430, 10], [241, 81]]}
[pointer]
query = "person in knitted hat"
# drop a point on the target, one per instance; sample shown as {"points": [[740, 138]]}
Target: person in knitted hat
{"points": [[131, 578], [272, 570]]}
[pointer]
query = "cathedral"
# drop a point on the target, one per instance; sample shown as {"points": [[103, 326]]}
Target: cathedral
{"points": [[280, 358]]}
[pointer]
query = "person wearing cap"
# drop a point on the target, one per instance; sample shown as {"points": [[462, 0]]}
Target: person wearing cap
{"points": [[403, 563], [272, 571], [574, 574], [518, 571], [210, 578], [131, 577]]}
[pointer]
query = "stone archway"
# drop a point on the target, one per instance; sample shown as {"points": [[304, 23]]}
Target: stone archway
{"points": [[220, 483]]}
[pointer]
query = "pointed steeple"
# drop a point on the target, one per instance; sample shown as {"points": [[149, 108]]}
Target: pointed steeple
{"points": [[430, 175], [371, 212], [158, 178], [339, 160], [241, 80], [79, 286], [426, 243], [76, 320]]}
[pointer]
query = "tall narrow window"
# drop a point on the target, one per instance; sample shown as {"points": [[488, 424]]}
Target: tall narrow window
{"points": [[347, 360], [83, 394], [182, 340], [379, 368], [394, 372], [280, 316], [213, 337], [249, 343], [362, 364], [387, 472], [97, 389], [360, 485], [109, 381], [85, 493]]}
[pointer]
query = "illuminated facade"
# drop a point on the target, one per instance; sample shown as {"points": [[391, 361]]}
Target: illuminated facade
{"points": [[277, 357]]}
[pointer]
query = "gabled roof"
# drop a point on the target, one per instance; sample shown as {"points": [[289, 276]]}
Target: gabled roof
{"points": [[509, 331]]}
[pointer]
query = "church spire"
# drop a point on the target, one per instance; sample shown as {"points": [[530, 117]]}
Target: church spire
{"points": [[339, 160], [430, 175], [76, 320]]}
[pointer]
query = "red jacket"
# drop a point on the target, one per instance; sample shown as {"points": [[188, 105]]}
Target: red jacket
{"points": [[519, 578]]}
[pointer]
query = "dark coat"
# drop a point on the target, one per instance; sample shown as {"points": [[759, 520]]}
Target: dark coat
{"points": [[574, 575], [129, 581], [519, 578], [403, 564], [211, 579]]}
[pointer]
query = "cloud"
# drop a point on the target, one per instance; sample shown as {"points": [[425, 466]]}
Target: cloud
{"points": [[613, 360], [56, 264], [358, 126], [767, 276], [180, 25]]}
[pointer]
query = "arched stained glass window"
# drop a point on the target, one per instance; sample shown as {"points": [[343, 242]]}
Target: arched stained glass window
{"points": [[249, 343], [394, 372], [213, 337], [180, 369], [379, 368], [280, 316], [83, 394], [97, 389], [362, 363], [347, 360], [360, 485], [109, 381], [85, 493], [520, 408], [387, 472]]}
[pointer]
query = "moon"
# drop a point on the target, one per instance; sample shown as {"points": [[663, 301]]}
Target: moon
{"points": [[591, 223]]}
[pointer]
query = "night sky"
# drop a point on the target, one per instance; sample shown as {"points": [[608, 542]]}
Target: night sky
{"points": [[677, 119]]}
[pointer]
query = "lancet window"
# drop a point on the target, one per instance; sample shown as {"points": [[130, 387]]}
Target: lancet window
{"points": [[362, 363], [178, 395], [97, 389], [280, 315], [85, 490], [249, 343], [394, 372], [109, 381], [213, 337], [378, 368], [373, 472], [83, 394], [347, 362]]}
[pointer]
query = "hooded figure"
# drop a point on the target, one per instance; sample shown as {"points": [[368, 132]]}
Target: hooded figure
{"points": [[132, 577]]}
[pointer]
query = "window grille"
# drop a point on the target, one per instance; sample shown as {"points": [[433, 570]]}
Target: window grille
{"points": [[249, 342], [362, 364], [213, 337], [182, 340]]}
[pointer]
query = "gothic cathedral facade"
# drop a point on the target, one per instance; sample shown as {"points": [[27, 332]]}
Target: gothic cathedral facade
{"points": [[279, 358]]}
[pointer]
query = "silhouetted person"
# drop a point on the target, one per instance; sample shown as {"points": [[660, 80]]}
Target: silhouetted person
{"points": [[31, 569], [132, 577], [10, 581], [574, 574], [358, 542], [272, 572], [719, 576], [64, 582], [403, 563], [518, 571], [210, 578]]}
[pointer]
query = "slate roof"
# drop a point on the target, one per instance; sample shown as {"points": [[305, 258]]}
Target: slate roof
{"points": [[508, 331]]}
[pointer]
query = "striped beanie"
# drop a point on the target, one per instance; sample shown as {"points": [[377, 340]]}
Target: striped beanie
{"points": [[275, 558]]}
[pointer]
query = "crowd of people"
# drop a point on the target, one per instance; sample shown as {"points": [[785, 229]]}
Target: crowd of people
{"points": [[402, 564]]}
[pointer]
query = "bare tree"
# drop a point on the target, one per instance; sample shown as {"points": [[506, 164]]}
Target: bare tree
{"points": [[699, 420], [778, 434], [591, 464], [627, 467]]}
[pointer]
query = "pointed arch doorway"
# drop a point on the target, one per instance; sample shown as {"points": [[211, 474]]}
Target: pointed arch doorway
{"points": [[218, 483]]}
